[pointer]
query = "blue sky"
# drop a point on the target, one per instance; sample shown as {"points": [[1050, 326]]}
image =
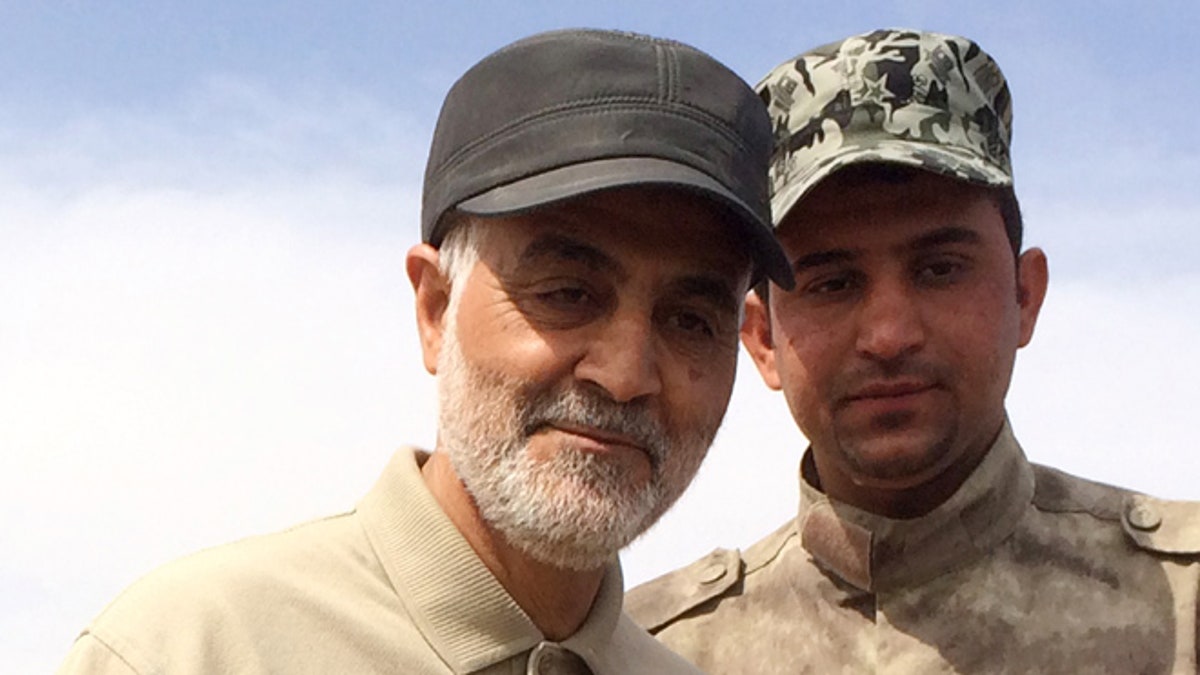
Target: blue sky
{"points": [[1102, 88], [205, 329]]}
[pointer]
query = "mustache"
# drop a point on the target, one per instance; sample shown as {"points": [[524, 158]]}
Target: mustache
{"points": [[577, 406], [854, 381]]}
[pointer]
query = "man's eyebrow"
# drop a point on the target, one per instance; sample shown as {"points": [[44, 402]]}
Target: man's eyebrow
{"points": [[560, 247], [714, 290], [951, 234], [819, 258]]}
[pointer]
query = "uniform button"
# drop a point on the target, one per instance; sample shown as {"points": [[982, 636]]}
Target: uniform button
{"points": [[712, 574], [549, 658], [1144, 517]]}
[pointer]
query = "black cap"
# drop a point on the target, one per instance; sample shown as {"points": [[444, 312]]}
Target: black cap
{"points": [[567, 113]]}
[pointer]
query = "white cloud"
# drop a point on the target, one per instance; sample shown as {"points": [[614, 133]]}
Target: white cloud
{"points": [[170, 385], [220, 134], [1107, 388], [193, 349]]}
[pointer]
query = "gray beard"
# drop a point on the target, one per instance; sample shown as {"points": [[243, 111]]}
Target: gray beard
{"points": [[574, 510]]}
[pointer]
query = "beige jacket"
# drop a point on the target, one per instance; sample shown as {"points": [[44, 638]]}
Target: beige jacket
{"points": [[391, 587], [1024, 570]]}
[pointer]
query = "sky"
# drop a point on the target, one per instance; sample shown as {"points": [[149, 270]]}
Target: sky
{"points": [[206, 331]]}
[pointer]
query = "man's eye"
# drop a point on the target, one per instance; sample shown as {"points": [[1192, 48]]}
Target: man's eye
{"points": [[692, 323], [567, 295], [940, 271], [561, 303], [830, 285]]}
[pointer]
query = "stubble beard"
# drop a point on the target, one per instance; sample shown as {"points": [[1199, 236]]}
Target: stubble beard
{"points": [[884, 459], [575, 509], [896, 447]]}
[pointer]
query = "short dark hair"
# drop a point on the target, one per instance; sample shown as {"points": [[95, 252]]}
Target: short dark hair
{"points": [[1010, 211], [1005, 198]]}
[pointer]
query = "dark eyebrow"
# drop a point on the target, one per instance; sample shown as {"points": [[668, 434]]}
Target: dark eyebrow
{"points": [[713, 290], [559, 247], [823, 258], [951, 234]]}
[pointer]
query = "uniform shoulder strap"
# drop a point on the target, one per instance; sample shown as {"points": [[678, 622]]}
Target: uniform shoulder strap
{"points": [[1162, 525], [767, 549], [655, 603], [660, 601]]}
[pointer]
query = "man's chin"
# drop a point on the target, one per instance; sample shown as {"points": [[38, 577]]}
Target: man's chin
{"points": [[897, 463], [578, 539]]}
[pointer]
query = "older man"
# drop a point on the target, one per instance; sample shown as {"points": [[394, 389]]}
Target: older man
{"points": [[925, 542], [594, 211]]}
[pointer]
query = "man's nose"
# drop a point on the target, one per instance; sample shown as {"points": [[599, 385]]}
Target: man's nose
{"points": [[622, 358], [891, 325]]}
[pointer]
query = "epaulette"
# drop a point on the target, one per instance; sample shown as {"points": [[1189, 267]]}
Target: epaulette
{"points": [[1060, 492], [656, 602], [766, 550], [1162, 525]]}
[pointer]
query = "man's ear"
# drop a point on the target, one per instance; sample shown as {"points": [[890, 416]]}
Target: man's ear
{"points": [[1033, 277], [756, 336], [432, 292]]}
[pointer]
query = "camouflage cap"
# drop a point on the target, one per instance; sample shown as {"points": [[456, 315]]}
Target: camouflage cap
{"points": [[931, 101]]}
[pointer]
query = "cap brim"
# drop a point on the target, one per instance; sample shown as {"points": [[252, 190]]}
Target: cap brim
{"points": [[583, 178], [947, 161]]}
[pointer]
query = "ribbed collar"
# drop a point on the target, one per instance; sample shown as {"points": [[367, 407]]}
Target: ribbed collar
{"points": [[879, 554], [454, 600]]}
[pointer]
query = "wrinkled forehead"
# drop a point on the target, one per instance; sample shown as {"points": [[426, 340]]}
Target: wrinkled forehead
{"points": [[863, 187], [666, 228], [871, 198]]}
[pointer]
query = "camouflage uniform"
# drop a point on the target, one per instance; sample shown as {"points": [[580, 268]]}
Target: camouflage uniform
{"points": [[1025, 568]]}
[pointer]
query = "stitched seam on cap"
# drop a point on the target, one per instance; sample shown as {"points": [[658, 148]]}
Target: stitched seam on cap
{"points": [[660, 64], [482, 143], [589, 107], [699, 113], [672, 74]]}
